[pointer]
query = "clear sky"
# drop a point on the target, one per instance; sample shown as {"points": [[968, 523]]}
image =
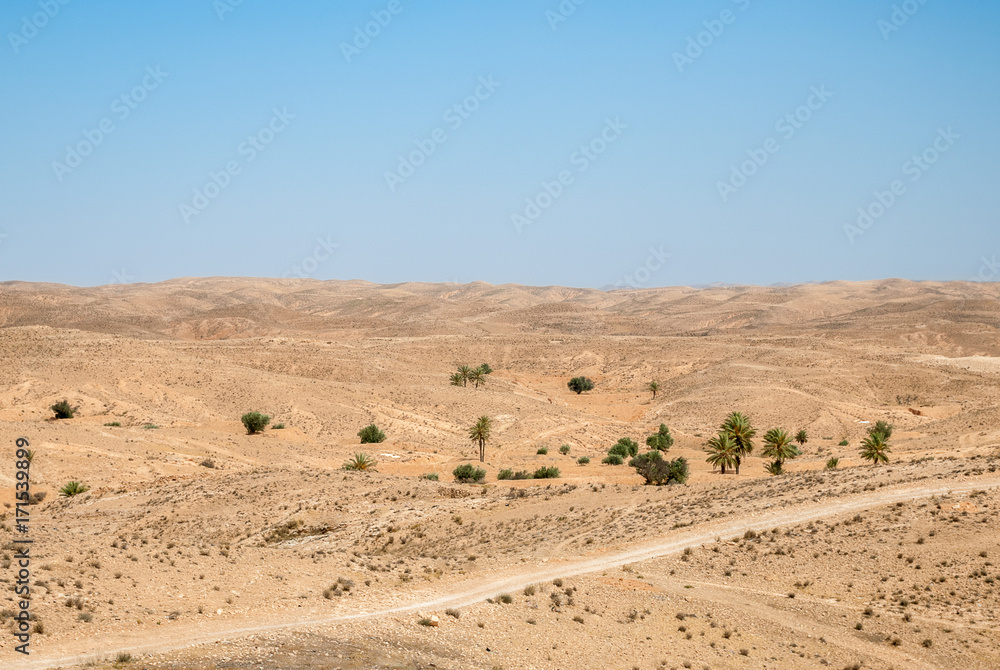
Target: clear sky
{"points": [[584, 143]]}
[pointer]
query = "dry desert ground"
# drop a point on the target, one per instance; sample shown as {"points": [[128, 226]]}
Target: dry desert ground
{"points": [[200, 546]]}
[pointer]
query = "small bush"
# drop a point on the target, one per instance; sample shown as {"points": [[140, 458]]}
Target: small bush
{"points": [[371, 434], [547, 472], [150, 426], [580, 384], [613, 459], [453, 613], [114, 424], [661, 440], [506, 473], [123, 657], [844, 443], [208, 463], [278, 426], [430, 476], [542, 451], [522, 474], [656, 470], [625, 447], [565, 449], [424, 622], [255, 422], [468, 474], [63, 410], [583, 460], [360, 462], [505, 598], [73, 488], [832, 463]]}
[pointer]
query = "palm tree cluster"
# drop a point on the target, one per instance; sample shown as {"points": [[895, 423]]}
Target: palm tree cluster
{"points": [[735, 442], [465, 374], [875, 447]]}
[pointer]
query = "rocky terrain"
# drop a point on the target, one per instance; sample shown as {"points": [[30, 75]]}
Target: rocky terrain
{"points": [[199, 546]]}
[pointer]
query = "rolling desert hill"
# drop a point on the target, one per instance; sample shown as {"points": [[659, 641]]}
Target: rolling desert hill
{"points": [[195, 535]]}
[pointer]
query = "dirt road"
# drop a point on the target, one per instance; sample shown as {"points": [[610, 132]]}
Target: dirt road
{"points": [[77, 652]]}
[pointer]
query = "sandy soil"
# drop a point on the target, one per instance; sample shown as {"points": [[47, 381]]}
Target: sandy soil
{"points": [[275, 557]]}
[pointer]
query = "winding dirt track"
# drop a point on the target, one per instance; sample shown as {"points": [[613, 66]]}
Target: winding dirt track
{"points": [[181, 637]]}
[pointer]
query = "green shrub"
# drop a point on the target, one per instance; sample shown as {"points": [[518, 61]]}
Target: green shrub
{"points": [[506, 473], [150, 426], [484, 369], [371, 434], [63, 410], [505, 598], [656, 470], [565, 449], [583, 460], [774, 468], [430, 476], [580, 384], [832, 463], [114, 424], [844, 443], [255, 422], [542, 451], [522, 474], [208, 463], [73, 488], [547, 472], [625, 447], [468, 474], [278, 426], [661, 440], [360, 462], [613, 459]]}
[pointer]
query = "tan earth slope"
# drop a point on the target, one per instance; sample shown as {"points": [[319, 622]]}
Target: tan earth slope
{"points": [[199, 546]]}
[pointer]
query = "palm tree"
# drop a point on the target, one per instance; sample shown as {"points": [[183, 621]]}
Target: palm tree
{"points": [[778, 445], [737, 426], [883, 428], [875, 448], [653, 388], [480, 433], [722, 452], [465, 371], [801, 437], [477, 376], [458, 379]]}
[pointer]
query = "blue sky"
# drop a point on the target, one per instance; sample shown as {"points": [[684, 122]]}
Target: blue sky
{"points": [[629, 143]]}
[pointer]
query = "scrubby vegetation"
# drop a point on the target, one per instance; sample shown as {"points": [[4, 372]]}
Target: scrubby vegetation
{"points": [[661, 440], [63, 410], [580, 384], [654, 469], [255, 422], [73, 488], [468, 474], [626, 447], [371, 434], [360, 462]]}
